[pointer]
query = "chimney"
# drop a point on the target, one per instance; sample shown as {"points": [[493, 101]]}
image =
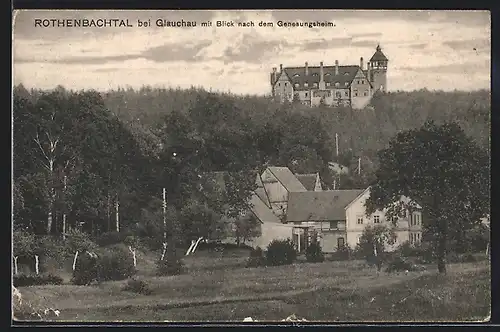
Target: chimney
{"points": [[361, 63], [321, 73], [307, 69], [274, 75], [368, 68], [336, 67], [281, 68]]}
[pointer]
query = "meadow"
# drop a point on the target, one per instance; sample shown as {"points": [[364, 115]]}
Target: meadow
{"points": [[219, 288]]}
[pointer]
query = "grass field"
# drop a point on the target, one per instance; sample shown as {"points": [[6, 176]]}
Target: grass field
{"points": [[217, 287]]}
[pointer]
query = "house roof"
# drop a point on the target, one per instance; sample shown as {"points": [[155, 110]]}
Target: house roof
{"points": [[261, 191], [261, 211], [378, 55], [297, 75], [307, 180], [319, 205], [287, 178]]}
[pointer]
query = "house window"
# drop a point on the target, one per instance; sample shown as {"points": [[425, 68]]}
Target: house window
{"points": [[306, 85], [338, 94], [359, 239], [286, 84], [315, 85], [347, 93], [365, 93], [376, 219], [306, 94], [297, 222], [279, 84], [358, 81], [355, 92], [359, 220], [362, 81], [333, 225]]}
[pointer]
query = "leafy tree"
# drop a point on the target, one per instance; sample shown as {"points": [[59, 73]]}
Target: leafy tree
{"points": [[373, 243], [246, 227], [440, 169]]}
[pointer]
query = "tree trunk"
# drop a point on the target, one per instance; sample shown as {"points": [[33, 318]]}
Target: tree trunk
{"points": [[64, 213], [108, 212], [442, 241], [49, 216], [117, 214]]}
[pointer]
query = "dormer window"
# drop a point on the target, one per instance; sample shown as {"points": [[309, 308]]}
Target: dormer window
{"points": [[327, 83], [346, 83], [315, 74], [296, 75], [327, 74], [315, 85], [337, 84], [346, 74], [296, 85], [306, 85]]}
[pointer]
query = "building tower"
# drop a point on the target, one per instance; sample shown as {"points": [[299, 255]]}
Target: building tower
{"points": [[378, 70]]}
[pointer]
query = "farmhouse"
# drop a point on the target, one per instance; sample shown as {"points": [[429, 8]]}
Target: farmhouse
{"points": [[338, 217]]}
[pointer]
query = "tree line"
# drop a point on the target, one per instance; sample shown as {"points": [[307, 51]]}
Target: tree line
{"points": [[100, 161]]}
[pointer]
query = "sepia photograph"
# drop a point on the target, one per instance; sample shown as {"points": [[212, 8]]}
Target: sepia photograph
{"points": [[234, 166]]}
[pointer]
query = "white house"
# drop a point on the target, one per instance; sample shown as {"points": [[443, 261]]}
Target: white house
{"points": [[339, 217]]}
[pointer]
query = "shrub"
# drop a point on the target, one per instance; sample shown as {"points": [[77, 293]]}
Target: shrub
{"points": [[86, 269], [280, 252], [112, 263], [78, 241], [170, 267], [22, 280], [137, 286], [314, 254], [399, 264], [343, 253], [116, 263], [111, 238], [257, 258]]}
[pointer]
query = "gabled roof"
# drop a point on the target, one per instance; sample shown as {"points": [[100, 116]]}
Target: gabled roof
{"points": [[261, 191], [320, 205], [287, 179], [344, 78], [307, 180], [261, 211], [378, 55]]}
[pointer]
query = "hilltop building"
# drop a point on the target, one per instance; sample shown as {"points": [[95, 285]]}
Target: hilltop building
{"points": [[350, 85]]}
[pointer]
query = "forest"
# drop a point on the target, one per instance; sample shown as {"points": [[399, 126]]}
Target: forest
{"points": [[100, 161]]}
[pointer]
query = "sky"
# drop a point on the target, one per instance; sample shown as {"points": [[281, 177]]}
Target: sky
{"points": [[436, 50]]}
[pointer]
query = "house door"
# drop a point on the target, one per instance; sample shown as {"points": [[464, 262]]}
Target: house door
{"points": [[340, 242]]}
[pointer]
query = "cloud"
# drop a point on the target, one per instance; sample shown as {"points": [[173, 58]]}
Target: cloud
{"points": [[420, 45], [469, 44]]}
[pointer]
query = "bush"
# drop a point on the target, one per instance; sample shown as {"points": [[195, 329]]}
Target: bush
{"points": [[137, 286], [343, 253], [257, 258], [116, 263], [112, 263], [22, 280], [280, 252], [314, 254], [111, 238], [170, 268], [399, 264]]}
